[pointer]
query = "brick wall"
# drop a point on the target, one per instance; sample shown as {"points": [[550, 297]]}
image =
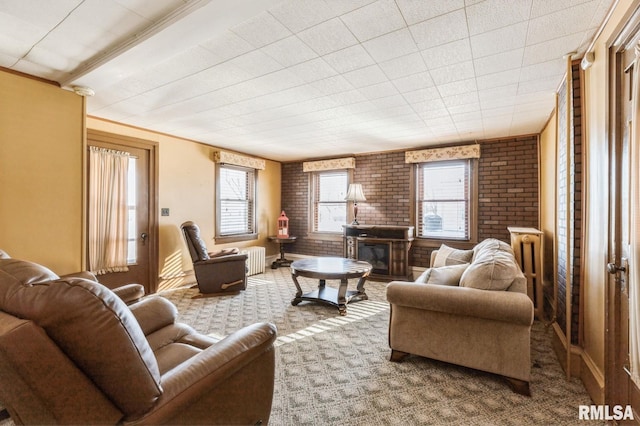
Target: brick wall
{"points": [[508, 194]]}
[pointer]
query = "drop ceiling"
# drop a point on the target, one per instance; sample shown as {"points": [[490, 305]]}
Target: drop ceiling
{"points": [[298, 79]]}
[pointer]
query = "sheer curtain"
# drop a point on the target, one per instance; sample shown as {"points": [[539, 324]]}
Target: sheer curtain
{"points": [[634, 243], [108, 212]]}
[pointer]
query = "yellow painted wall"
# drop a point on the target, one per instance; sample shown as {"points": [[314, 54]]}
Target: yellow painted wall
{"points": [[187, 188], [41, 172]]}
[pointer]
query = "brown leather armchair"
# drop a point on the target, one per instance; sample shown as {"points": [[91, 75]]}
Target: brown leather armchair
{"points": [[219, 272], [72, 352]]}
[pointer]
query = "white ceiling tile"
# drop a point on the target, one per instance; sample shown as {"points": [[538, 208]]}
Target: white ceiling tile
{"points": [[547, 7], [403, 66], [499, 62], [500, 40], [561, 23], [457, 88], [328, 37], [349, 59], [227, 46], [365, 76], [418, 11], [261, 30], [447, 54], [380, 90], [298, 15], [289, 51], [391, 45], [545, 69], [440, 30], [313, 70], [332, 85], [421, 95], [493, 14], [374, 19], [349, 97], [498, 79], [413, 82], [255, 63], [464, 108], [552, 49], [547, 85], [452, 73], [469, 98]]}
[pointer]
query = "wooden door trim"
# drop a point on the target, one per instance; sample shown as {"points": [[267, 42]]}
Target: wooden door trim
{"points": [[628, 32], [152, 147]]}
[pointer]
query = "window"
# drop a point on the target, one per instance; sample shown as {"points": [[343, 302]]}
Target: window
{"points": [[444, 191], [235, 201], [329, 206]]}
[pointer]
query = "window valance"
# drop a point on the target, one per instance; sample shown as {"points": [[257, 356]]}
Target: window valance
{"points": [[332, 164], [441, 154], [238, 160]]}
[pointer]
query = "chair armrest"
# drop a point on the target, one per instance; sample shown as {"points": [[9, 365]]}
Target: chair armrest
{"points": [[129, 293], [154, 313], [503, 306], [193, 381], [222, 259]]}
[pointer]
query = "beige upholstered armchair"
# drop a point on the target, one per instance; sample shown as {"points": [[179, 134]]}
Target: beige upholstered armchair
{"points": [[219, 272], [72, 352]]}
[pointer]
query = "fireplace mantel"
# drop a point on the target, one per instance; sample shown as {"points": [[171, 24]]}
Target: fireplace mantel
{"points": [[386, 247]]}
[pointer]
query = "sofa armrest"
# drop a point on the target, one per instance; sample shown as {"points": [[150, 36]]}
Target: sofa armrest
{"points": [[199, 384], [503, 306]]}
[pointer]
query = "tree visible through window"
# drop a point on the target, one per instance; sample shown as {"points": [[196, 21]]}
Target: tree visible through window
{"points": [[329, 205], [236, 193], [444, 199]]}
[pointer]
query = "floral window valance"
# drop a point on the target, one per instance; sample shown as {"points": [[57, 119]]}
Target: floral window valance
{"points": [[333, 164], [441, 154], [238, 160]]}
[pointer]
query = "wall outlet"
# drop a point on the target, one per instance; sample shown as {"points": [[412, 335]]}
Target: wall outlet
{"points": [[164, 211]]}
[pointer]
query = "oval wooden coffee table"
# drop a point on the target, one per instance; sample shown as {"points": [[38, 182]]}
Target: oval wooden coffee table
{"points": [[331, 268]]}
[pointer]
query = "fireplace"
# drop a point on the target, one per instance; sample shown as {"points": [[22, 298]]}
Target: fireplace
{"points": [[385, 247], [378, 254]]}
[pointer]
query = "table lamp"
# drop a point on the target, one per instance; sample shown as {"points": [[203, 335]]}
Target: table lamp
{"points": [[355, 194]]}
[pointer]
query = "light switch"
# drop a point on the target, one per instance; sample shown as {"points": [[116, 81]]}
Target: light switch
{"points": [[164, 211]]}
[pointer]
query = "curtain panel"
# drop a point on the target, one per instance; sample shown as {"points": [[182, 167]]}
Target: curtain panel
{"points": [[108, 210]]}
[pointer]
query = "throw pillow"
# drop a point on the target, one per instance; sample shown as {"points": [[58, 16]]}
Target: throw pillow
{"points": [[450, 256], [424, 276], [447, 275], [493, 268]]}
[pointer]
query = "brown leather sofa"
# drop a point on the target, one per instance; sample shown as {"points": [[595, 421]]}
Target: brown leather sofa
{"points": [[73, 352]]}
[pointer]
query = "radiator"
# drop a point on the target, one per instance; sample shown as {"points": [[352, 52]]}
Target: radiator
{"points": [[255, 259], [527, 246]]}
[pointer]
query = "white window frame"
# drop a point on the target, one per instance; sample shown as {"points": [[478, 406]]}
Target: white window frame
{"points": [[314, 191], [250, 232], [471, 199]]}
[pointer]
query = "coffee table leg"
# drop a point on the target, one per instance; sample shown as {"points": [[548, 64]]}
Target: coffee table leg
{"points": [[342, 297], [296, 299], [360, 287]]}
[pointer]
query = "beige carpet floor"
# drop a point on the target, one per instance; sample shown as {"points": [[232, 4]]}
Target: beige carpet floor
{"points": [[334, 370]]}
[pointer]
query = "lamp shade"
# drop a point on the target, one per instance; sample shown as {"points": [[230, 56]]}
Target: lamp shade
{"points": [[355, 193]]}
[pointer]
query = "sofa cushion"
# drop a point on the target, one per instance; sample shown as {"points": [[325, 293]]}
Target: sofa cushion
{"points": [[28, 273], [450, 256], [493, 267]]}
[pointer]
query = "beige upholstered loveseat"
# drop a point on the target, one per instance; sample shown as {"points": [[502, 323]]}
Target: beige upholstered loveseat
{"points": [[72, 352], [470, 308]]}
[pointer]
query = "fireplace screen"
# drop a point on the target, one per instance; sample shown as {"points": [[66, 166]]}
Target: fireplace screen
{"points": [[377, 254]]}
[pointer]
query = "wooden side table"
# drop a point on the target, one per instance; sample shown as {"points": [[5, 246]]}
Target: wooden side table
{"points": [[281, 241]]}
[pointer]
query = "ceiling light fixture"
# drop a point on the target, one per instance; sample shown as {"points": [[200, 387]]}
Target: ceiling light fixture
{"points": [[83, 90]]}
